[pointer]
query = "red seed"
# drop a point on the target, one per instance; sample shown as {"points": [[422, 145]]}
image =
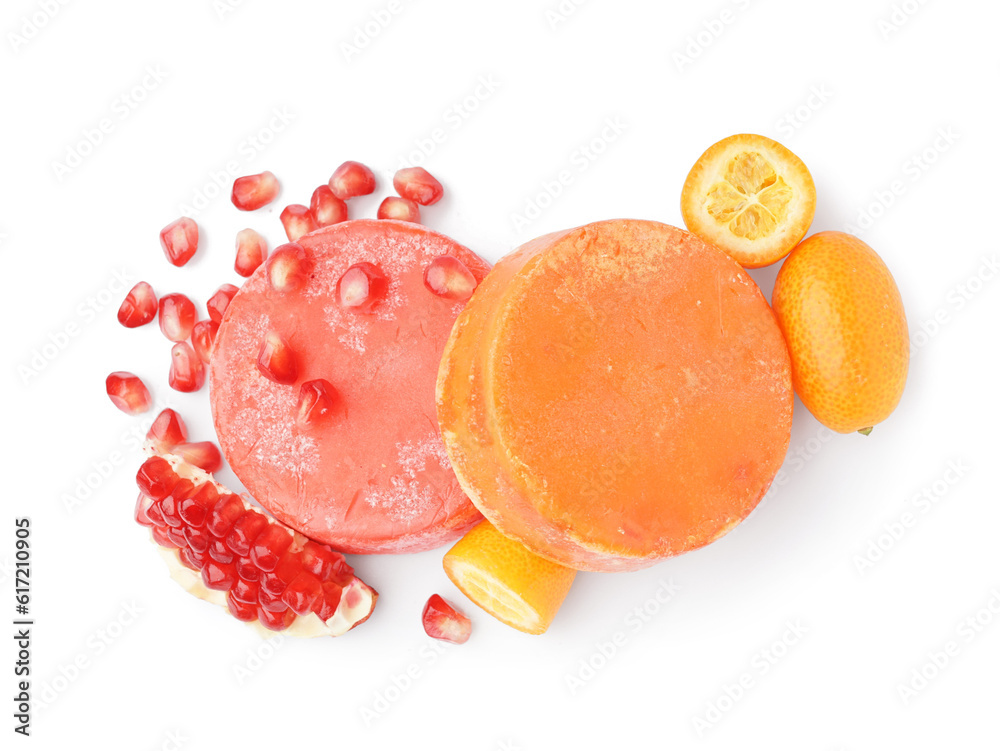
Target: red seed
{"points": [[186, 370], [448, 277], [244, 531], [219, 301], [142, 504], [269, 546], [319, 560], [128, 392], [361, 287], [442, 621], [167, 430], [169, 503], [302, 593], [218, 551], [269, 602], [327, 606], [161, 538], [288, 268], [154, 515], [289, 566], [203, 454], [177, 316], [139, 306], [156, 478], [176, 535], [245, 569], [241, 610], [276, 360], [194, 509], [326, 208], [221, 576], [418, 185], [197, 539], [224, 513], [179, 240], [251, 250], [297, 221], [192, 559], [275, 621], [203, 339], [399, 208], [250, 192], [317, 400], [246, 591], [352, 179]]}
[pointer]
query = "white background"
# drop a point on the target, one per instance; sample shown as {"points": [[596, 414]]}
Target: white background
{"points": [[861, 90]]}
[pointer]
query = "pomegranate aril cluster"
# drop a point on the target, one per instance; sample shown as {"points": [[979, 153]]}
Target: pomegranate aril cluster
{"points": [[269, 573]]}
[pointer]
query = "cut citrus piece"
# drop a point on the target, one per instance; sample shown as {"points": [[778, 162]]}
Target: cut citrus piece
{"points": [[507, 580], [751, 197]]}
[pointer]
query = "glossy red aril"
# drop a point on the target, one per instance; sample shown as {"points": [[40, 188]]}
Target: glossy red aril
{"points": [[204, 454], [288, 268], [448, 277], [276, 360], [243, 611], [398, 208], [352, 179], [128, 392], [250, 524], [220, 300], [142, 506], [139, 306], [417, 185], [177, 316], [317, 399], [187, 373], [179, 240], [250, 192], [442, 621], [275, 621], [171, 501], [224, 514], [155, 478], [326, 208], [297, 221], [194, 509], [331, 600], [218, 575], [269, 546], [251, 250], [304, 591], [203, 339], [167, 430], [361, 287]]}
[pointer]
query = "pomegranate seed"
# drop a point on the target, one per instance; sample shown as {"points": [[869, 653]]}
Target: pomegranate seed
{"points": [[219, 301], [128, 392], [161, 538], [204, 455], [139, 306], [176, 535], [203, 339], [275, 621], [192, 559], [401, 209], [194, 509], [246, 591], [297, 221], [317, 399], [253, 191], [269, 546], [154, 515], [155, 478], [177, 317], [320, 561], [288, 267], [251, 250], [224, 513], [241, 610], [289, 566], [327, 606], [246, 570], [448, 277], [186, 370], [218, 551], [142, 505], [442, 621], [179, 240], [352, 179], [197, 539], [244, 531], [168, 504], [302, 593], [326, 208], [167, 430], [361, 287], [276, 360], [217, 575], [272, 603], [418, 185]]}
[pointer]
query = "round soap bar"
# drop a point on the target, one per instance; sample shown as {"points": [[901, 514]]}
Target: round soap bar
{"points": [[371, 475], [616, 394]]}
